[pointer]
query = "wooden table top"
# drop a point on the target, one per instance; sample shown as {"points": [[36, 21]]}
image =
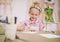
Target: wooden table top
{"points": [[34, 37]]}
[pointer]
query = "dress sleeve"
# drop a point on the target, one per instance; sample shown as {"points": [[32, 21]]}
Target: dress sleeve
{"points": [[24, 23]]}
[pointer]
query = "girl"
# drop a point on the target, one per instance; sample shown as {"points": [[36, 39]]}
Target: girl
{"points": [[33, 24]]}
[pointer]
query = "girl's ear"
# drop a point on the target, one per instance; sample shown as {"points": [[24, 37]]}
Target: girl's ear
{"points": [[29, 11]]}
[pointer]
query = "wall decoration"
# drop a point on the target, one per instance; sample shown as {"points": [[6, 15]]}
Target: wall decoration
{"points": [[48, 11]]}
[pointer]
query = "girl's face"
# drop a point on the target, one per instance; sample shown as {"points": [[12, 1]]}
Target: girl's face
{"points": [[34, 13]]}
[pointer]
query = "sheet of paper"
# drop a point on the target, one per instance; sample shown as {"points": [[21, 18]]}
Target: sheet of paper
{"points": [[50, 35], [30, 32]]}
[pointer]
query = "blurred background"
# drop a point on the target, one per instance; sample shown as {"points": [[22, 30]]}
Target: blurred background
{"points": [[15, 11]]}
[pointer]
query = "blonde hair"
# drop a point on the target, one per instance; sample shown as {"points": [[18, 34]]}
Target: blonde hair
{"points": [[36, 5]]}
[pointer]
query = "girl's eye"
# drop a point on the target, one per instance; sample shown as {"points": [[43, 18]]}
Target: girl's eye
{"points": [[35, 14], [32, 14]]}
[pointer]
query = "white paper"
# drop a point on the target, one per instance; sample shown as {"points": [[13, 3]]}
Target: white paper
{"points": [[34, 28], [30, 32], [50, 35]]}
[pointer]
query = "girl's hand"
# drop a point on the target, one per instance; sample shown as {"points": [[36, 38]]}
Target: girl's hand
{"points": [[27, 28]]}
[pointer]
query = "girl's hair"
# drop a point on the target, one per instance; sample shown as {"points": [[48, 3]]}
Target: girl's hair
{"points": [[36, 5]]}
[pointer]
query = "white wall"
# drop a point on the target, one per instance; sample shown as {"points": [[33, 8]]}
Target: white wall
{"points": [[20, 9]]}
